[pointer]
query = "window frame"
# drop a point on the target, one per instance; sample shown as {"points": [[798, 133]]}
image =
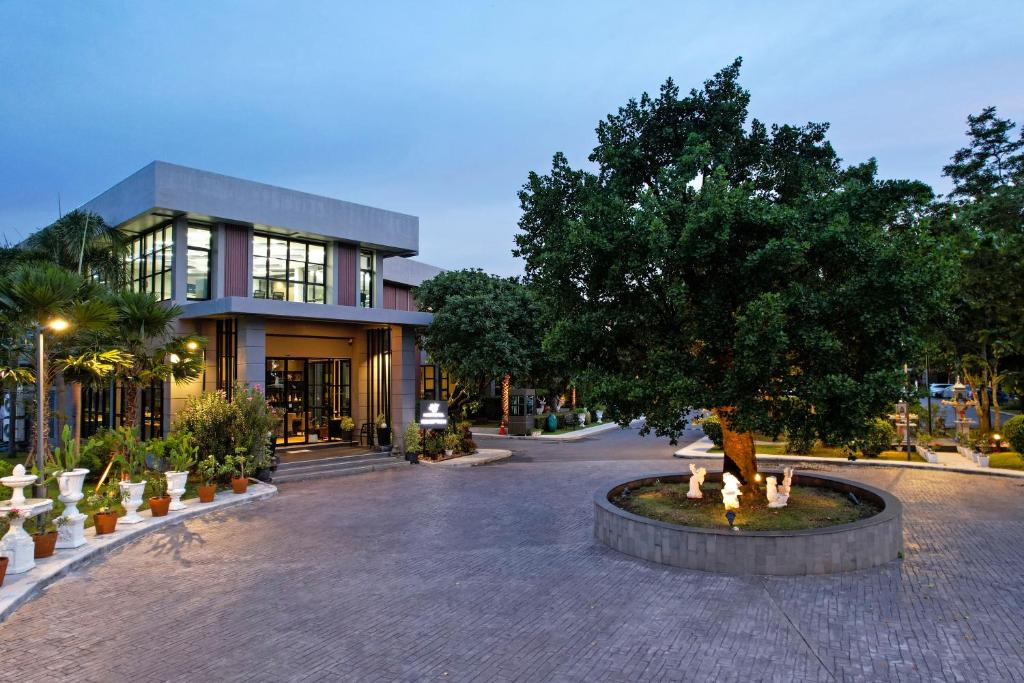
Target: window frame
{"points": [[142, 257], [367, 295], [189, 249], [308, 285]]}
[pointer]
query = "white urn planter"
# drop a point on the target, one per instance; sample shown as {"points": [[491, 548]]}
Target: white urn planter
{"points": [[447, 453], [600, 416], [176, 488], [982, 460], [17, 545], [582, 418], [132, 492], [71, 534]]}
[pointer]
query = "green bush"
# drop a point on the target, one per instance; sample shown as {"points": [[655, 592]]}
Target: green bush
{"points": [[254, 424], [879, 436], [801, 442], [412, 442], [712, 428], [210, 419], [1013, 432]]}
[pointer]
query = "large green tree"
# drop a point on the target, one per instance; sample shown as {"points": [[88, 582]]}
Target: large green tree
{"points": [[485, 328], [83, 243], [711, 262], [983, 221]]}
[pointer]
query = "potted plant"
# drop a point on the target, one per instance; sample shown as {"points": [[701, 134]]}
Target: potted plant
{"points": [[581, 415], [105, 501], [182, 454], [348, 426], [383, 431], [132, 459], [237, 465], [599, 412], [451, 442], [159, 501], [413, 442], [44, 536], [4, 561], [207, 469], [321, 428]]}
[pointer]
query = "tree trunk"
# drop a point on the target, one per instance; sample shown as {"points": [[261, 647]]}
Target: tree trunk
{"points": [[977, 385], [506, 382], [76, 412], [739, 458], [131, 406]]}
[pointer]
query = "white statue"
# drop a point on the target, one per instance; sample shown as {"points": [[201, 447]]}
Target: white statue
{"points": [[731, 491], [697, 475], [776, 498], [787, 480]]}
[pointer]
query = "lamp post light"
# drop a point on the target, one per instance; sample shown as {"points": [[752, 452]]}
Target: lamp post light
{"points": [[997, 440], [57, 325]]}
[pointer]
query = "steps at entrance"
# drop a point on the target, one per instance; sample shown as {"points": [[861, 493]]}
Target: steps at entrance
{"points": [[333, 467]]}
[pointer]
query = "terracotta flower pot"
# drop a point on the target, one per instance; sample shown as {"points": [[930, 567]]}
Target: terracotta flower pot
{"points": [[159, 505], [3, 568], [45, 543], [239, 484], [206, 493], [105, 522]]}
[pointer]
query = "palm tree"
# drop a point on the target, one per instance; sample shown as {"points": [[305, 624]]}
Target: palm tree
{"points": [[31, 297], [83, 243], [145, 330]]}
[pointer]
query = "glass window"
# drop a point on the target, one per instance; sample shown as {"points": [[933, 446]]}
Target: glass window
{"points": [[288, 270], [427, 386], [198, 281], [151, 260], [366, 283]]}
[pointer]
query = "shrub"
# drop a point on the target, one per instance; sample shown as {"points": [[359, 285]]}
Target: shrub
{"points": [[800, 442], [712, 428], [412, 443], [210, 419], [1013, 432], [879, 436], [254, 424]]}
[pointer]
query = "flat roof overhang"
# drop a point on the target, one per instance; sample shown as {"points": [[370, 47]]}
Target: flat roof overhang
{"points": [[161, 191], [269, 308]]}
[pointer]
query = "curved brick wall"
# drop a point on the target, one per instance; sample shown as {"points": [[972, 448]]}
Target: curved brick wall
{"points": [[860, 545]]}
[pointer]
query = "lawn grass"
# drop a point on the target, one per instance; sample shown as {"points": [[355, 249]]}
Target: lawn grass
{"points": [[779, 448], [1007, 460], [808, 508]]}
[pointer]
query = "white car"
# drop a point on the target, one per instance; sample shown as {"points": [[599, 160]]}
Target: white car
{"points": [[936, 389]]}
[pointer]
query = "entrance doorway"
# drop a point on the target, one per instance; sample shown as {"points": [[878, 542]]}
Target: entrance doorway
{"points": [[311, 395]]}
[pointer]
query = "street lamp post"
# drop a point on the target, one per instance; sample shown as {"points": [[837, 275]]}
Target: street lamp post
{"points": [[57, 325]]}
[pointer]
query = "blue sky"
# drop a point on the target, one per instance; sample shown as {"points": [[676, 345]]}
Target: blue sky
{"points": [[440, 109]]}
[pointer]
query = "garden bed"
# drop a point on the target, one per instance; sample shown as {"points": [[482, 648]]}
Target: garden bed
{"points": [[779, 448]]}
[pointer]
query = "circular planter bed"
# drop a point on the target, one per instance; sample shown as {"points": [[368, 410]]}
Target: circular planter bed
{"points": [[861, 544]]}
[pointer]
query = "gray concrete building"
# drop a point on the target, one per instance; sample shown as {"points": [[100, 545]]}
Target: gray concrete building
{"points": [[308, 297]]}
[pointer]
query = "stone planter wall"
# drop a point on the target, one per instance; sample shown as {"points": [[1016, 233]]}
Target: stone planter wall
{"points": [[860, 545]]}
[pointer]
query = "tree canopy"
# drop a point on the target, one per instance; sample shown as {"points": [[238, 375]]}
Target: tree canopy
{"points": [[708, 262]]}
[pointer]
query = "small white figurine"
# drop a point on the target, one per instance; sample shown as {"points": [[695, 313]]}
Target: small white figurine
{"points": [[776, 498], [787, 480], [731, 491], [697, 475]]}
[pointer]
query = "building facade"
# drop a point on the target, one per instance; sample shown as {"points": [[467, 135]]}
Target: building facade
{"points": [[307, 297]]}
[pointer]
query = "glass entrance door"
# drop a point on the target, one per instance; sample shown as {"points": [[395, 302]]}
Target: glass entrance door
{"points": [[311, 395], [286, 391]]}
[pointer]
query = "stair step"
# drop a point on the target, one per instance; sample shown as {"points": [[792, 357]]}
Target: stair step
{"points": [[335, 460], [363, 467]]}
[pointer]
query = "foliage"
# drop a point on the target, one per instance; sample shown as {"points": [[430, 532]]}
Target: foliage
{"points": [[209, 418], [80, 242], [347, 423], [879, 436], [1013, 432], [484, 327], [238, 464], [98, 449], [157, 483], [67, 456], [208, 470], [107, 498], [182, 453], [130, 453], [712, 263], [412, 442], [712, 428], [254, 424], [452, 440], [380, 422]]}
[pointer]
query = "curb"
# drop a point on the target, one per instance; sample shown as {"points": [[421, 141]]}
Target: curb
{"points": [[700, 448], [483, 456], [20, 588], [568, 436]]}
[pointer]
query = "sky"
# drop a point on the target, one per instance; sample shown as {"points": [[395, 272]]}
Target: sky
{"points": [[441, 109]]}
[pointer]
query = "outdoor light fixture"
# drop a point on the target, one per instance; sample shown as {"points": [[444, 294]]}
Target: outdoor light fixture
{"points": [[58, 324], [173, 358], [757, 477], [191, 345], [996, 441]]}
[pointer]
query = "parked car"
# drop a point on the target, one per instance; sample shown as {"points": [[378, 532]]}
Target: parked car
{"points": [[936, 389], [948, 392]]}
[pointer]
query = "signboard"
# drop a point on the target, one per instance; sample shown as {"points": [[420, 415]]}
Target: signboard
{"points": [[434, 415]]}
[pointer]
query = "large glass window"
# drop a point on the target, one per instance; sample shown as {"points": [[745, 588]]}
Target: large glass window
{"points": [[151, 260], [227, 352], [427, 383], [151, 410], [198, 284], [288, 270], [366, 283]]}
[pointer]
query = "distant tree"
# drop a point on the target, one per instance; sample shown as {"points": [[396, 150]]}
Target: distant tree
{"points": [[485, 329], [81, 242], [708, 263], [984, 221]]}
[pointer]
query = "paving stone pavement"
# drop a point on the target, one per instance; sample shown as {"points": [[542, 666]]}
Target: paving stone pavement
{"points": [[491, 574]]}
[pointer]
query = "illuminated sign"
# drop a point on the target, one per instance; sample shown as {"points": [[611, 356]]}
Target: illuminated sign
{"points": [[434, 415]]}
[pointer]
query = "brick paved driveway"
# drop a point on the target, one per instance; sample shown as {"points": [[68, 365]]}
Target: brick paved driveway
{"points": [[491, 574]]}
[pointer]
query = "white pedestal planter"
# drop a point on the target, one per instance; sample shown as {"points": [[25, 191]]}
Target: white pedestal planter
{"points": [[982, 460], [132, 502], [16, 545], [176, 488], [72, 534], [583, 419], [600, 416]]}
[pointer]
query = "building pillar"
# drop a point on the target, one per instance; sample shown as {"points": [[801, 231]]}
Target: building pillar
{"points": [[217, 262], [252, 350], [378, 280], [404, 369], [179, 276]]}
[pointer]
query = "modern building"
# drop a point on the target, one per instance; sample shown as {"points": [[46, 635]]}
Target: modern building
{"points": [[306, 296]]}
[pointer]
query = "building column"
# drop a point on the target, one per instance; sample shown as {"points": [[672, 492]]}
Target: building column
{"points": [[404, 369], [217, 262], [378, 280], [252, 350], [179, 276]]}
